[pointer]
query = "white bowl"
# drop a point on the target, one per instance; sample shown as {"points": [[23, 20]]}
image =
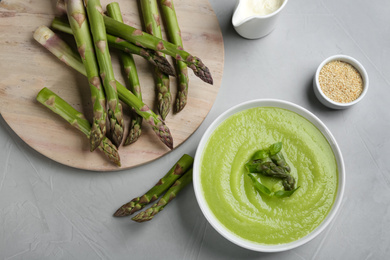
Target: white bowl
{"points": [[202, 201], [329, 102]]}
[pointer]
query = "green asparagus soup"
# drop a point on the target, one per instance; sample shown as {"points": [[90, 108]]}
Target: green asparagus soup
{"points": [[230, 193]]}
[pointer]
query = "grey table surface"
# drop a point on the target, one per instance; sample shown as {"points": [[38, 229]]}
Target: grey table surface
{"points": [[50, 211]]}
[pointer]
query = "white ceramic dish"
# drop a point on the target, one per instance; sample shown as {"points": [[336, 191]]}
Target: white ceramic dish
{"points": [[256, 26], [329, 102], [199, 192]]}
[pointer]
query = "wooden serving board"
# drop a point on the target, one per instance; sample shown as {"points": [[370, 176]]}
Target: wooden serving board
{"points": [[26, 67]]}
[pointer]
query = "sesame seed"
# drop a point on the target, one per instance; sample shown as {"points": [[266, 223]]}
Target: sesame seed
{"points": [[340, 81]]}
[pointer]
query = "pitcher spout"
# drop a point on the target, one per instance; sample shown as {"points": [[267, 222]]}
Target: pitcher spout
{"points": [[237, 18]]}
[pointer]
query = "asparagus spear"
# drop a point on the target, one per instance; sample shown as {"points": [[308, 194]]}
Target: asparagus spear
{"points": [[146, 40], [168, 196], [279, 160], [174, 35], [80, 28], [288, 182], [48, 39], [113, 11], [114, 107], [181, 166], [267, 168], [158, 125], [117, 43], [152, 23], [62, 51], [132, 76], [76, 119]]}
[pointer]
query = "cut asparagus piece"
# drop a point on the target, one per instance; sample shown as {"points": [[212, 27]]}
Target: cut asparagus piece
{"points": [[80, 28], [279, 160], [184, 163], [288, 183], [151, 18], [48, 39], [277, 157], [148, 41], [59, 106], [120, 44], [266, 168], [63, 52], [61, 7], [114, 107], [130, 69], [168, 197], [174, 34]]}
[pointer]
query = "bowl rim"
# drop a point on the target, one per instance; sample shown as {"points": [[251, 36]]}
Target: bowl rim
{"points": [[357, 65], [214, 222]]}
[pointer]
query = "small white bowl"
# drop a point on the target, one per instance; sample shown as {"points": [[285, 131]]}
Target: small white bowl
{"points": [[203, 203], [329, 102]]}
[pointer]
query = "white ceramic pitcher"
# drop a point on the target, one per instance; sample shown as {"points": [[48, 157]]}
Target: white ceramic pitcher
{"points": [[255, 26]]}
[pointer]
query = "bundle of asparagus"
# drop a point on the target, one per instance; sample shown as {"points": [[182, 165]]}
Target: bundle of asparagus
{"points": [[148, 41], [93, 32], [62, 51], [173, 182]]}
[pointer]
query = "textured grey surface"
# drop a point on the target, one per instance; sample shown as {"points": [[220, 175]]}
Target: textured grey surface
{"points": [[50, 211]]}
